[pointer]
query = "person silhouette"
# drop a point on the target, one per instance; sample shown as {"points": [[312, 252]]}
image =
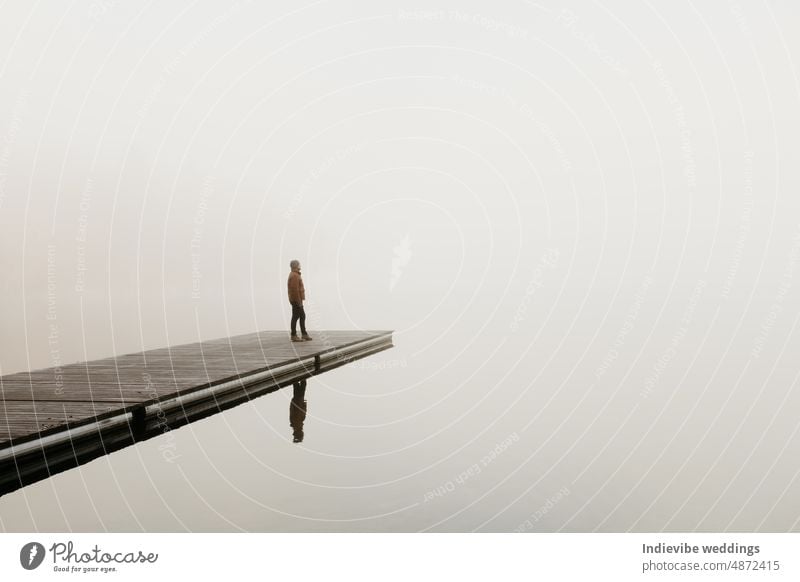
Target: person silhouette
{"points": [[297, 410], [297, 295]]}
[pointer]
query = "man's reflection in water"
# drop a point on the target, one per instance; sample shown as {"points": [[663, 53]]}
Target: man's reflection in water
{"points": [[297, 410]]}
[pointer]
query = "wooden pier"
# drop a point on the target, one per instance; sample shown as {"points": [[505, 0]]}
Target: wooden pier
{"points": [[58, 418]]}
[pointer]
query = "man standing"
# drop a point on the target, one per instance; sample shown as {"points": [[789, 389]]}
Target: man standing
{"points": [[297, 295]]}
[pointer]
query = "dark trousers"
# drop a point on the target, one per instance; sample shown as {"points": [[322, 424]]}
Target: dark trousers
{"points": [[298, 313]]}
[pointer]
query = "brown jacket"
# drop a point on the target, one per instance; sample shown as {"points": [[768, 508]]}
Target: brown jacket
{"points": [[297, 293], [297, 414]]}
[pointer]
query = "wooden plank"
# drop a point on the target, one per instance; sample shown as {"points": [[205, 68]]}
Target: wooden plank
{"points": [[155, 375], [19, 418], [159, 373], [52, 422]]}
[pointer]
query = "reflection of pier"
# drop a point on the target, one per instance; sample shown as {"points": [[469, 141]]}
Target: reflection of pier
{"points": [[55, 419]]}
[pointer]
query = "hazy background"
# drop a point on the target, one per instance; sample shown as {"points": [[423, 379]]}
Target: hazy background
{"points": [[581, 219]]}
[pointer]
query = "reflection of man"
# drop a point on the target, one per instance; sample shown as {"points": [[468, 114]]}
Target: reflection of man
{"points": [[297, 295], [297, 410]]}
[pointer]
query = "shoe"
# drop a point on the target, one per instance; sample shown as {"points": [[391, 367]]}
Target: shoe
{"points": [[296, 339], [307, 338]]}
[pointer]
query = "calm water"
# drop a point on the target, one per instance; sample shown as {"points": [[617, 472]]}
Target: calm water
{"points": [[460, 448]]}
